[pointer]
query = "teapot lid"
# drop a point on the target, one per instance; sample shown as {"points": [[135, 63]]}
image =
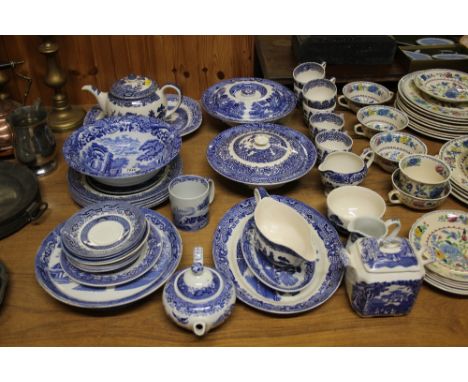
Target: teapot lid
{"points": [[199, 284], [133, 86], [387, 255]]}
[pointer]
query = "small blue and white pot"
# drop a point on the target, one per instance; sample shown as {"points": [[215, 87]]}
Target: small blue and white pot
{"points": [[190, 197], [305, 72], [320, 94], [199, 298], [319, 122], [343, 168], [328, 142]]}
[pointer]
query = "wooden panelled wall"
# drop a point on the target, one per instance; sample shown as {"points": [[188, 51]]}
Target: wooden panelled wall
{"points": [[192, 62]]}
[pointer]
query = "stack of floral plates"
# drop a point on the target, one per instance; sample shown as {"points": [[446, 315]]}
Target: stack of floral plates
{"points": [[444, 233], [455, 154], [436, 102], [128, 158], [108, 254], [304, 290]]}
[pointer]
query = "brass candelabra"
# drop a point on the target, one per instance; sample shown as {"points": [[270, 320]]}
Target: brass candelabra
{"points": [[62, 115]]}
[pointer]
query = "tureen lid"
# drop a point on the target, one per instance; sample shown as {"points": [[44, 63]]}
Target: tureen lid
{"points": [[389, 255], [133, 86]]}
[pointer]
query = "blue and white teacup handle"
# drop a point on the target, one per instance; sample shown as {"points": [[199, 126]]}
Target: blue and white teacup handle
{"points": [[396, 230], [342, 102], [260, 193], [211, 190], [368, 157], [179, 101]]}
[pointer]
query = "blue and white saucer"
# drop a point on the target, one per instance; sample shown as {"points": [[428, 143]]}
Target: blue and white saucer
{"points": [[55, 281], [147, 257], [84, 193], [283, 280], [185, 120], [261, 154], [228, 258], [104, 230], [122, 150], [244, 100]]}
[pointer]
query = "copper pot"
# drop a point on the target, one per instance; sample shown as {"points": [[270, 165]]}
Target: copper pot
{"points": [[6, 134]]}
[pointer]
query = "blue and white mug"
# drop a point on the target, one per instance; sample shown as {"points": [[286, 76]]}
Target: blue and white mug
{"points": [[190, 197]]}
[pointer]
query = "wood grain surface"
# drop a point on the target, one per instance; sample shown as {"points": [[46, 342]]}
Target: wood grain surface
{"points": [[30, 317], [193, 62]]}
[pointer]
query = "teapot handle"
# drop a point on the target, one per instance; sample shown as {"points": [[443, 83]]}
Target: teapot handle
{"points": [[179, 101]]}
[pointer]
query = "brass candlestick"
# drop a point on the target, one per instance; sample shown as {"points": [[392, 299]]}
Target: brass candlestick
{"points": [[62, 116]]}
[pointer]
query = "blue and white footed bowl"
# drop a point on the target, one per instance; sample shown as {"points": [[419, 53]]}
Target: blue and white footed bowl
{"points": [[244, 100], [261, 154], [122, 151], [104, 230]]}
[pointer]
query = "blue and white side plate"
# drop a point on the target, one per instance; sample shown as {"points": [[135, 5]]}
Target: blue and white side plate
{"points": [[244, 100], [148, 255], [84, 193], [185, 120], [261, 154], [123, 150], [281, 279], [103, 230], [228, 258], [55, 281]]}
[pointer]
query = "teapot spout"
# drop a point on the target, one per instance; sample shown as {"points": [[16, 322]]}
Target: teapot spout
{"points": [[101, 97], [199, 328]]}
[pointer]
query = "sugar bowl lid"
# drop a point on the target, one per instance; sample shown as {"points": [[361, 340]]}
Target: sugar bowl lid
{"points": [[133, 87]]}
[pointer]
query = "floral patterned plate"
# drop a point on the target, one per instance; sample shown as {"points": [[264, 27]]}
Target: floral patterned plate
{"points": [[444, 231], [454, 153], [443, 84]]}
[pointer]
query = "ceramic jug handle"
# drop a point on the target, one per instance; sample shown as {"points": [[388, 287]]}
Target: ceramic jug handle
{"points": [[211, 191], [260, 193], [396, 223], [368, 157], [358, 130], [323, 64], [179, 101], [394, 197], [342, 102]]}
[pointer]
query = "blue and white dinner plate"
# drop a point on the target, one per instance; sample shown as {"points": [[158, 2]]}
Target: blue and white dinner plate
{"points": [[244, 100], [148, 255], [185, 120], [104, 230], [228, 258], [283, 280], [55, 281], [122, 150], [84, 193], [261, 154]]}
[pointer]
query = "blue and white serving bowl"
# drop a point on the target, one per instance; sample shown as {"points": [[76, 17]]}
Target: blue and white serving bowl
{"points": [[245, 100], [122, 151], [261, 154]]}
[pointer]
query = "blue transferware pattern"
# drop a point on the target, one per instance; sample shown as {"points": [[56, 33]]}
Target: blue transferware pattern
{"points": [[129, 233], [146, 260], [319, 122], [261, 154], [285, 279], [343, 142], [133, 87], [121, 147], [51, 276], [228, 258], [243, 100], [374, 258], [83, 192], [318, 83], [189, 219], [319, 69]]}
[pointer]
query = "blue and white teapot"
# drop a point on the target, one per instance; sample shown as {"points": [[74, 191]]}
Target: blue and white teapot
{"points": [[135, 94]]}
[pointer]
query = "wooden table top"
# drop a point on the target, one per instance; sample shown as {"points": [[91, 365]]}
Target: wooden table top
{"points": [[30, 317]]}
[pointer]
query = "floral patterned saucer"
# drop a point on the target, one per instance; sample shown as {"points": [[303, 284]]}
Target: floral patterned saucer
{"points": [[444, 231], [454, 153], [443, 84]]}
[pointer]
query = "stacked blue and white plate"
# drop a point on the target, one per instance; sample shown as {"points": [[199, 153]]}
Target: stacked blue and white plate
{"points": [[126, 158], [108, 254]]}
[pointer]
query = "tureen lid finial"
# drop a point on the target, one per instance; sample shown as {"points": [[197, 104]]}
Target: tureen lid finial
{"points": [[197, 265]]}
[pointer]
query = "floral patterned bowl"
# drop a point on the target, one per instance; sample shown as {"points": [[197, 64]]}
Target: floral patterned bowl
{"points": [[390, 147], [378, 119], [361, 93]]}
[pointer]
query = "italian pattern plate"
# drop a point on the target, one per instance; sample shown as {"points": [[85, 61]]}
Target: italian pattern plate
{"points": [[56, 282], [443, 84], [261, 154], [244, 100], [228, 258]]}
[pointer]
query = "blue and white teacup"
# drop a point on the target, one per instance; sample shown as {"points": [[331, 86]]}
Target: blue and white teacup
{"points": [[328, 142], [320, 94], [309, 112], [305, 72], [319, 122], [190, 197]]}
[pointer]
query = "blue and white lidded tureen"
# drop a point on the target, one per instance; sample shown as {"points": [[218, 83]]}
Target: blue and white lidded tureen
{"points": [[199, 298], [135, 94], [383, 276]]}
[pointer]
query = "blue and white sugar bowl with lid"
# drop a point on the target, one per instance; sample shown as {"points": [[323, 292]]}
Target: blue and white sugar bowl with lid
{"points": [[383, 276], [199, 298]]}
